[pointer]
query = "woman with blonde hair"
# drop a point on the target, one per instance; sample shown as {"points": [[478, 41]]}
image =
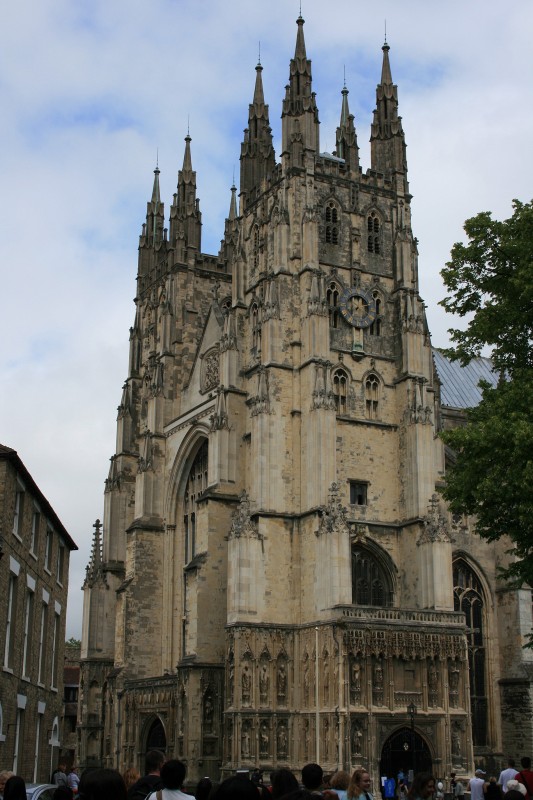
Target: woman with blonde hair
{"points": [[359, 786], [130, 776]]}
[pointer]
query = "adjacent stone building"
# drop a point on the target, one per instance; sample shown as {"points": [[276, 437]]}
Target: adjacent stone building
{"points": [[35, 553], [276, 579]]}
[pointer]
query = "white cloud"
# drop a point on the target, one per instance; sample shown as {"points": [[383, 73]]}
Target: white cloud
{"points": [[90, 91]]}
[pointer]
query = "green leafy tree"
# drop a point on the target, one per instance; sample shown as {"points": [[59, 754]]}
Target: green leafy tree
{"points": [[490, 281]]}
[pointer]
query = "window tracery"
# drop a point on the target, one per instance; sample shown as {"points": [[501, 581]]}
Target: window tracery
{"points": [[370, 585], [340, 390], [469, 598], [195, 486], [332, 299], [375, 328], [331, 216], [372, 396], [374, 230]]}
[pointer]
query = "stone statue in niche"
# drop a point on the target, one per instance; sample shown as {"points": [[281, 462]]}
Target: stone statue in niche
{"points": [[456, 744], [282, 740], [326, 683], [245, 743], [357, 740], [306, 683], [264, 682], [433, 683], [377, 688], [264, 740], [208, 714], [453, 683], [355, 683], [246, 686], [231, 678], [282, 681]]}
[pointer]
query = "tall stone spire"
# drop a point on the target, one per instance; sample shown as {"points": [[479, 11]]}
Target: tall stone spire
{"points": [[153, 235], [185, 215], [257, 151], [300, 121], [346, 137], [387, 141]]}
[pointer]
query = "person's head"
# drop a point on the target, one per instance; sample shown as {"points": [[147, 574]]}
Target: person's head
{"points": [[515, 786], [15, 788], [62, 766], [173, 774], [526, 762], [283, 782], [423, 786], [359, 783], [153, 762], [203, 788], [312, 776], [510, 762], [340, 780], [130, 776], [480, 773], [63, 793], [452, 775], [102, 784], [4, 776], [236, 788]]}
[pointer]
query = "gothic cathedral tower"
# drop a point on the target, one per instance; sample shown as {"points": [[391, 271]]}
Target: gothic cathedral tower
{"points": [[275, 580]]}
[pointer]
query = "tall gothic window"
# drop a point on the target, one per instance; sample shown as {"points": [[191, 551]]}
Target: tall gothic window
{"points": [[332, 299], [370, 586], [196, 485], [375, 328], [340, 390], [372, 397], [468, 598], [256, 328], [373, 233], [332, 223], [256, 247]]}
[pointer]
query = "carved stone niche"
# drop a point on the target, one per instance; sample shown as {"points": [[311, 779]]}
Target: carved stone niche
{"points": [[209, 370]]}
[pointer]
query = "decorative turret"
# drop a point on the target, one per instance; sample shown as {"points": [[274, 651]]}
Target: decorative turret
{"points": [[228, 243], [257, 151], [346, 138], [300, 132], [153, 235], [387, 141], [185, 215]]}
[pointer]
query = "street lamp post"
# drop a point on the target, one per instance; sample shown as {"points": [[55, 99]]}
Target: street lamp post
{"points": [[411, 710]]}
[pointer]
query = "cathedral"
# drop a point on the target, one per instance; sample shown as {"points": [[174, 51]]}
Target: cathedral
{"points": [[276, 579]]}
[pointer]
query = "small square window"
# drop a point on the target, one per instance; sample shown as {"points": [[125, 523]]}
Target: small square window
{"points": [[358, 493]]}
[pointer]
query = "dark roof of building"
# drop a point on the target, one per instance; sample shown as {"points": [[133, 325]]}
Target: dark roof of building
{"points": [[460, 385], [8, 454]]}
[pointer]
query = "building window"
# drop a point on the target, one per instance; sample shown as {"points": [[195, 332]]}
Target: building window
{"points": [[340, 390], [375, 328], [256, 247], [196, 485], [43, 638], [256, 328], [35, 528], [55, 646], [332, 299], [468, 598], [332, 223], [28, 627], [19, 512], [48, 550], [370, 586], [11, 621], [373, 233], [372, 397], [60, 567], [358, 493]]}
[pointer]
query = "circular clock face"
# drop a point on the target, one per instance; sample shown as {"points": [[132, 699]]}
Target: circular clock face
{"points": [[357, 308]]}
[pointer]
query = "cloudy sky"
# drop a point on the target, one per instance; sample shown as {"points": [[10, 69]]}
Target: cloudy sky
{"points": [[91, 91]]}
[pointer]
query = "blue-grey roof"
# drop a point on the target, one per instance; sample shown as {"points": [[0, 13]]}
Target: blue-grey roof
{"points": [[460, 385]]}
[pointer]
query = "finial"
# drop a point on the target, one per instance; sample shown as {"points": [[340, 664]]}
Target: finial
{"points": [[188, 131], [157, 158], [385, 42], [233, 176], [300, 7], [259, 55], [344, 67]]}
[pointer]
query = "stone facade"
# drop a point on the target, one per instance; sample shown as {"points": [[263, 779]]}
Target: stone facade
{"points": [[35, 552], [277, 579]]}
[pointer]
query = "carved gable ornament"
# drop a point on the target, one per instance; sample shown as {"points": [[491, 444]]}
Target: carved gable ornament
{"points": [[435, 525], [242, 525], [334, 517], [209, 375]]}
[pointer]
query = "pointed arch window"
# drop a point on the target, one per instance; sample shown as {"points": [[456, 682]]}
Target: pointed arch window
{"points": [[331, 215], [372, 396], [370, 584], [375, 328], [195, 486], [332, 299], [469, 598], [256, 247], [256, 328], [340, 390], [374, 230]]}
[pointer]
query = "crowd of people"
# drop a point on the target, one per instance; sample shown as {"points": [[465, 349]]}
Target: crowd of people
{"points": [[164, 780]]}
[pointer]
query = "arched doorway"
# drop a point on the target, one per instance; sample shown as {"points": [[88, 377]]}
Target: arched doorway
{"points": [[156, 738], [404, 750]]}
